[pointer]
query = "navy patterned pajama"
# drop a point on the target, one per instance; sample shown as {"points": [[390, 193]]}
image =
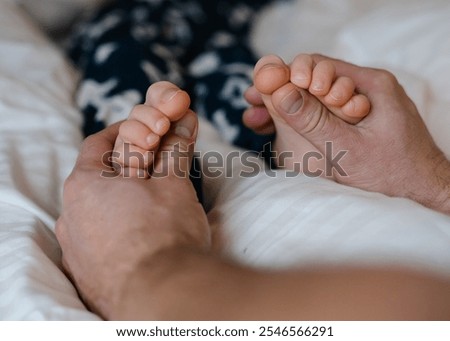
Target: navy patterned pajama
{"points": [[200, 45]]}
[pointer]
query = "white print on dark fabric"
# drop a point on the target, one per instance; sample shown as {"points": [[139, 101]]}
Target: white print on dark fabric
{"points": [[236, 78], [177, 27], [223, 39], [110, 109], [152, 72], [226, 130], [104, 51], [233, 91], [205, 64], [239, 68], [144, 32], [96, 30], [201, 92], [173, 73], [240, 15], [194, 11], [140, 14], [149, 39], [155, 75]]}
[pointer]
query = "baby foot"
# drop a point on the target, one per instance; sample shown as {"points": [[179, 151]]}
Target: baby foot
{"points": [[278, 85], [337, 93], [140, 135]]}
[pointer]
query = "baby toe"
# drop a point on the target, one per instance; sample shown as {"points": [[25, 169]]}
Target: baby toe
{"points": [[169, 99], [137, 133], [301, 70], [270, 74], [324, 74], [341, 92], [151, 117]]}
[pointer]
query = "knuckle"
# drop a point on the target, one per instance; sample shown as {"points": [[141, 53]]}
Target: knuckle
{"points": [[88, 141], [70, 185], [137, 110], [325, 64], [74, 183], [123, 129], [303, 58], [317, 56], [384, 77]]}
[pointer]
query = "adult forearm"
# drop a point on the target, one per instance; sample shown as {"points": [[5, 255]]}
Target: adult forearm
{"points": [[184, 285]]}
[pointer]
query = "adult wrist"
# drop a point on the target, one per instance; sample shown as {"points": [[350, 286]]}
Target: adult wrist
{"points": [[443, 179], [437, 191], [146, 292]]}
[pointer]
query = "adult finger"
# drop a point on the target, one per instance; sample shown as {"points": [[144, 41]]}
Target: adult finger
{"points": [[96, 149], [174, 157]]}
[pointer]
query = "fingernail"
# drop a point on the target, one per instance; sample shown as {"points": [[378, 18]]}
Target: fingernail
{"points": [[169, 94], [186, 126], [292, 102]]}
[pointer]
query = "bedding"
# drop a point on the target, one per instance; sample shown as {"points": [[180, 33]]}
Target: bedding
{"points": [[56, 16], [264, 222]]}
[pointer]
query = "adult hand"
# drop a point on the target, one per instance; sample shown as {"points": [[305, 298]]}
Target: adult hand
{"points": [[135, 250], [389, 151], [110, 225]]}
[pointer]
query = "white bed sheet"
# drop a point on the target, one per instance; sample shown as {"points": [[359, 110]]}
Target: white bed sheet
{"points": [[264, 222], [39, 137]]}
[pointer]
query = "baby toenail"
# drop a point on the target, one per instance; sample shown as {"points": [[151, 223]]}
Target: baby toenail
{"points": [[292, 102], [300, 80], [336, 96], [152, 139], [318, 86], [169, 94], [162, 125], [186, 126], [271, 67]]}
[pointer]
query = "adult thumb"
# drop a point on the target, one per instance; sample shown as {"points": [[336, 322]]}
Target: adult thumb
{"points": [[174, 157], [305, 114]]}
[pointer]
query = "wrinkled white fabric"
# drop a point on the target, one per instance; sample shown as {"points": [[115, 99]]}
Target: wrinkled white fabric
{"points": [[39, 138], [263, 221]]}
